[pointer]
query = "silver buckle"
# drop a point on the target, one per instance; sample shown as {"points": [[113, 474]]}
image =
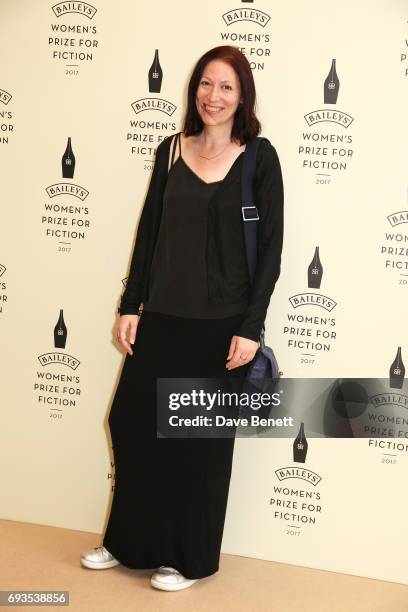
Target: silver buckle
{"points": [[250, 218]]}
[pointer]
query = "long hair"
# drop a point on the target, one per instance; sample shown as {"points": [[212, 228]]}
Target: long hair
{"points": [[246, 124]]}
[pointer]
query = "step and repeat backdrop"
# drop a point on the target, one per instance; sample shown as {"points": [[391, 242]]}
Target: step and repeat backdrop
{"points": [[87, 92]]}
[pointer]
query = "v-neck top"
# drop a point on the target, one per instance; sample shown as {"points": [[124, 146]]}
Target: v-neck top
{"points": [[178, 274]]}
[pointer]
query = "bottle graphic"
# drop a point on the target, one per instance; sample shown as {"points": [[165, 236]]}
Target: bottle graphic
{"points": [[155, 74], [397, 371], [60, 332], [68, 161], [331, 85], [300, 445], [315, 271]]}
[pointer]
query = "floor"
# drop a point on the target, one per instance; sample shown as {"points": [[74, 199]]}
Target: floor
{"points": [[35, 557]]}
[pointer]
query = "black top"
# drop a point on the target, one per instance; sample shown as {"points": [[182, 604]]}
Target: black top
{"points": [[227, 270], [178, 276]]}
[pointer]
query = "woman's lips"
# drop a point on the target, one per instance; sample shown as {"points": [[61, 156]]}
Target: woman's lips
{"points": [[212, 110]]}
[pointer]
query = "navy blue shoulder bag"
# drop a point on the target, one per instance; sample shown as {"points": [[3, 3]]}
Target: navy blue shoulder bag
{"points": [[263, 372]]}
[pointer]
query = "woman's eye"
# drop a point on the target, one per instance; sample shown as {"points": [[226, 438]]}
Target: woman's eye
{"points": [[228, 87]]}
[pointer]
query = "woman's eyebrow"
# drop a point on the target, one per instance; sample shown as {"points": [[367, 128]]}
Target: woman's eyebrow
{"points": [[224, 81]]}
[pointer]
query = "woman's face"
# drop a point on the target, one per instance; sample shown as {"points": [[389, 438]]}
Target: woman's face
{"points": [[218, 93]]}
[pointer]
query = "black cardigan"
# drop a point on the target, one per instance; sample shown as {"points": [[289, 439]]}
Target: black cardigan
{"points": [[227, 282]]}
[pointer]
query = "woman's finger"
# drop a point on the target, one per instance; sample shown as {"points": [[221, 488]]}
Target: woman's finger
{"points": [[121, 335], [236, 360], [232, 347], [123, 342], [132, 332]]}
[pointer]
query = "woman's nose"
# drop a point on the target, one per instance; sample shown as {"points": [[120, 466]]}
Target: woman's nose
{"points": [[214, 95]]}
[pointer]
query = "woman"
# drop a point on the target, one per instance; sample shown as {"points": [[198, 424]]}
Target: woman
{"points": [[201, 317]]}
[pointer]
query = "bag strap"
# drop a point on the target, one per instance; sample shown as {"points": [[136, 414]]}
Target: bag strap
{"points": [[176, 139], [250, 214]]}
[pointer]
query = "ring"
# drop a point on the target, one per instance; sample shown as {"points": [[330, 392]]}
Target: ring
{"points": [[242, 357]]}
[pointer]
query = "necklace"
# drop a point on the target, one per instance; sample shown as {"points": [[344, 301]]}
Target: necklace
{"points": [[213, 155]]}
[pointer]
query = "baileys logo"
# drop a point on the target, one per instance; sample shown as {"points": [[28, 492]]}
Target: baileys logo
{"points": [[154, 81], [82, 8], [5, 96], [331, 89], [284, 473], [312, 299], [3, 288], [60, 339], [246, 14], [6, 117], [397, 218], [153, 104], [386, 399], [314, 279]]}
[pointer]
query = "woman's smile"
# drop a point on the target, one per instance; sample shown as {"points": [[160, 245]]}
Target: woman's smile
{"points": [[212, 110]]}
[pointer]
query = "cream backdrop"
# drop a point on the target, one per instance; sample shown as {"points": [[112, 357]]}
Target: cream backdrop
{"points": [[341, 196]]}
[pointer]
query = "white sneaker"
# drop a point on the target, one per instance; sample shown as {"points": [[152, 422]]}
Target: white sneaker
{"points": [[98, 558], [169, 579]]}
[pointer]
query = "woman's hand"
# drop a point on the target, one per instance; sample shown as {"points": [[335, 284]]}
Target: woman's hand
{"points": [[127, 325], [240, 346]]}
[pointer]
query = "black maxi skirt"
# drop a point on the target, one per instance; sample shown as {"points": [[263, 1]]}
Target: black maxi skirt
{"points": [[170, 495]]}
